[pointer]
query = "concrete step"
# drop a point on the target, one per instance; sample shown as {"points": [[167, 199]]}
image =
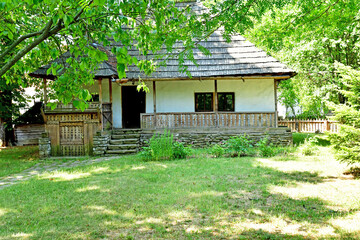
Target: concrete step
{"points": [[123, 147], [124, 141], [119, 152], [124, 136]]}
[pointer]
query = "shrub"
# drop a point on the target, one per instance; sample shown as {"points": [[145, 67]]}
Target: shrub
{"points": [[239, 145], [163, 147], [266, 149], [217, 150], [160, 147], [308, 147], [180, 151]]}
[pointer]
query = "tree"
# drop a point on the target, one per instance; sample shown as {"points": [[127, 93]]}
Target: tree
{"points": [[33, 29], [347, 141], [310, 37]]}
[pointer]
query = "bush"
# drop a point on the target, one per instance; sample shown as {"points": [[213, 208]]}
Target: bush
{"points": [[308, 147], [266, 149], [180, 151], [239, 145], [217, 150], [163, 147]]}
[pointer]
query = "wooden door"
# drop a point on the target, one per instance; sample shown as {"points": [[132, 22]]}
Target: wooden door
{"points": [[133, 103]]}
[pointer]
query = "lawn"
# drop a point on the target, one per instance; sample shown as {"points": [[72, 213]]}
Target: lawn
{"points": [[17, 159], [285, 197]]}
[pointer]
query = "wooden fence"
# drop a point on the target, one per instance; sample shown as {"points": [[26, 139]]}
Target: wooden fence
{"points": [[310, 126], [208, 119]]}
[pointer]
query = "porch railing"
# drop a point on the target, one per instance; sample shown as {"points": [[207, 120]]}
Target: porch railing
{"points": [[69, 108], [208, 119], [105, 111]]}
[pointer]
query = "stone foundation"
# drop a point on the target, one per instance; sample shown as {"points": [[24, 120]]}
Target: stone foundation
{"points": [[199, 138], [100, 143], [44, 145]]}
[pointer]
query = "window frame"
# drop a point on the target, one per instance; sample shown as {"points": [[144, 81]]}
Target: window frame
{"points": [[233, 102], [196, 101]]}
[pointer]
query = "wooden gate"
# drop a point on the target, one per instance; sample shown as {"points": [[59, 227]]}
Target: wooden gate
{"points": [[71, 134], [72, 139]]}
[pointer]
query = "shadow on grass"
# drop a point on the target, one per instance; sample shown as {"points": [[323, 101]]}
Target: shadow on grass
{"points": [[197, 198]]}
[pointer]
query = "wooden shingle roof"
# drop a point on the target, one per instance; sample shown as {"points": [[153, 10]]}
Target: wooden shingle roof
{"points": [[236, 58], [104, 69]]}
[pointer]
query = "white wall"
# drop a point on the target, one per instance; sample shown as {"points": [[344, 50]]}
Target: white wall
{"points": [[253, 95]]}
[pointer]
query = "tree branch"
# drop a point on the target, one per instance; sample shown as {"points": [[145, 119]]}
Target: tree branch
{"points": [[45, 33]]}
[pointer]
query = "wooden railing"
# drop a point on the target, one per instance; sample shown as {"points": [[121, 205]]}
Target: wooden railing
{"points": [[208, 119], [69, 108], [310, 126]]}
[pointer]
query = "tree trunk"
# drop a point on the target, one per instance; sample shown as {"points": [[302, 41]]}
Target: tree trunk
{"points": [[2, 133]]}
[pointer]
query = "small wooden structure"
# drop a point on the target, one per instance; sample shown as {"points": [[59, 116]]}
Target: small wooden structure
{"points": [[71, 131], [28, 134]]}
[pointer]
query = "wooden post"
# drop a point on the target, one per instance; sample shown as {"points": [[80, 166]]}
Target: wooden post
{"points": [[154, 102], [216, 104], [45, 92], [275, 96], [110, 96], [110, 90], [100, 102]]}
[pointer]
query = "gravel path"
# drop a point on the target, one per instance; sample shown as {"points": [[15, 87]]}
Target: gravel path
{"points": [[42, 167]]}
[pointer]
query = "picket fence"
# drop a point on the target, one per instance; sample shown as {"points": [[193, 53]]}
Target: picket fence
{"points": [[310, 126]]}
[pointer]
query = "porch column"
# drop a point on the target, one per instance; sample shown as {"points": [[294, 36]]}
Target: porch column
{"points": [[110, 98], [216, 107], [100, 102], [154, 102], [45, 91], [216, 104], [275, 96]]}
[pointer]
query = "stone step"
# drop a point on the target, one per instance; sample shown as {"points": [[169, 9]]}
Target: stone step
{"points": [[124, 141], [119, 152], [126, 131], [123, 147], [125, 136]]}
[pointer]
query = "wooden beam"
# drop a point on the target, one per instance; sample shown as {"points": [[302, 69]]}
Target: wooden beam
{"points": [[154, 102], [45, 92], [216, 107], [100, 90], [111, 97], [100, 101], [110, 90], [154, 96], [220, 78], [275, 96]]}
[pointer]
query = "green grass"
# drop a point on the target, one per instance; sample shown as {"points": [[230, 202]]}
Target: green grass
{"points": [[16, 159], [197, 198]]}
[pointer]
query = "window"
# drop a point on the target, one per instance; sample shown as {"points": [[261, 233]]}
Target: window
{"points": [[94, 97], [226, 102], [204, 102]]}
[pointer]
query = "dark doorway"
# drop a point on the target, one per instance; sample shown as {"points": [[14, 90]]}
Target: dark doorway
{"points": [[133, 103]]}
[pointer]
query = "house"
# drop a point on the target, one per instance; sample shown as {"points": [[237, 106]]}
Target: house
{"points": [[232, 91]]}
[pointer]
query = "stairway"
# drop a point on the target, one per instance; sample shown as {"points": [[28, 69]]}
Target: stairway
{"points": [[123, 141]]}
